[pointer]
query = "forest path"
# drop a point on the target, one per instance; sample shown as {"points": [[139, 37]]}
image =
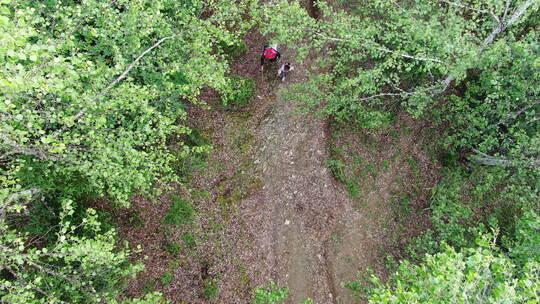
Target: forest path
{"points": [[300, 204]]}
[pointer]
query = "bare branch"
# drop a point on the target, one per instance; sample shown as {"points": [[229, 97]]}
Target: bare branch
{"points": [[123, 75], [537, 118], [25, 193], [503, 25], [506, 9], [516, 114], [18, 149], [488, 160], [385, 94], [384, 50]]}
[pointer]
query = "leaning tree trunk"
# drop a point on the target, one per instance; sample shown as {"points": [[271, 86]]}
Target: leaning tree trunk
{"points": [[501, 27]]}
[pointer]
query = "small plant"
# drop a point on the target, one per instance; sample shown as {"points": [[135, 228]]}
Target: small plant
{"points": [[134, 219], [180, 213], [449, 159], [336, 239], [167, 277], [211, 290], [271, 294], [190, 241], [361, 287], [353, 188], [173, 248], [240, 92], [337, 167], [390, 263], [414, 164]]}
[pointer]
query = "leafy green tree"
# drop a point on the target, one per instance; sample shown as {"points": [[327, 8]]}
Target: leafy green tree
{"points": [[470, 66], [480, 275], [93, 103], [474, 200], [92, 91], [83, 264], [400, 53]]}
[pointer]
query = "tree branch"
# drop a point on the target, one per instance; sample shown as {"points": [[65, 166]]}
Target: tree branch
{"points": [[131, 65], [31, 192], [516, 114], [382, 94], [503, 25], [18, 149], [488, 160], [39, 290], [123, 75], [384, 50], [506, 9]]}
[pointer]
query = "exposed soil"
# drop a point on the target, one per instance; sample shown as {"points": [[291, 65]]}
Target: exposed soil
{"points": [[268, 207]]}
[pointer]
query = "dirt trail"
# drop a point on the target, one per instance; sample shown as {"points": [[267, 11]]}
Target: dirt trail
{"points": [[300, 203], [268, 205]]}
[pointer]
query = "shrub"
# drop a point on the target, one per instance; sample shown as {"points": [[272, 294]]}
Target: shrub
{"points": [[449, 159], [173, 248], [167, 277], [190, 241], [337, 167], [270, 295], [180, 213], [211, 289], [235, 50], [240, 91]]}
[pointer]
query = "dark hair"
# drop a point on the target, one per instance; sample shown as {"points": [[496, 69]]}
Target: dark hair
{"points": [[287, 67]]}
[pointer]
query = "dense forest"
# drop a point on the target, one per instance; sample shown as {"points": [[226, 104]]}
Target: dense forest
{"points": [[146, 156]]}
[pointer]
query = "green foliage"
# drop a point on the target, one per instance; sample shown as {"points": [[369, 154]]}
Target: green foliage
{"points": [[150, 298], [173, 248], [353, 188], [480, 275], [468, 202], [497, 113], [525, 246], [87, 109], [270, 295], [337, 168], [235, 50], [210, 290], [93, 100], [190, 240], [167, 277], [81, 265], [180, 212], [241, 91], [42, 220], [387, 53], [449, 159]]}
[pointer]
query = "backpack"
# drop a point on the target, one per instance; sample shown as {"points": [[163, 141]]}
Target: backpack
{"points": [[270, 53]]}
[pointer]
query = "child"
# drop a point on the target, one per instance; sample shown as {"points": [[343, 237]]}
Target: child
{"points": [[286, 68]]}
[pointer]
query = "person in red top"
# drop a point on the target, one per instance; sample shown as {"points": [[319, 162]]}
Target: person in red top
{"points": [[270, 54]]}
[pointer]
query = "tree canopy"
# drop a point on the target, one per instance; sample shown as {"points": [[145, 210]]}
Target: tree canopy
{"points": [[94, 99]]}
